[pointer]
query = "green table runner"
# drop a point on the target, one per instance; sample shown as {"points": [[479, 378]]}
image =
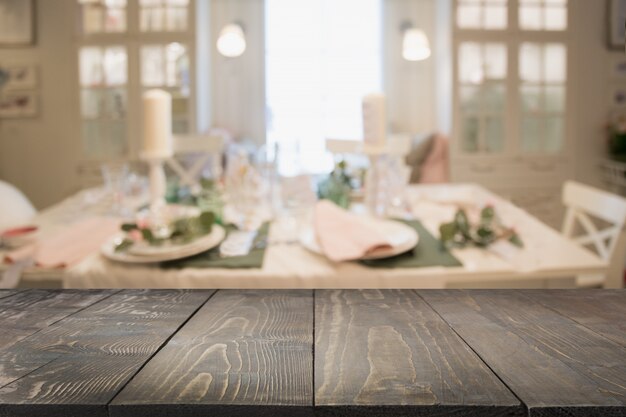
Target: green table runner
{"points": [[428, 252], [212, 259]]}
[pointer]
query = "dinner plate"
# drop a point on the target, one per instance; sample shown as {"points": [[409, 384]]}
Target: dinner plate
{"points": [[195, 247], [402, 238]]}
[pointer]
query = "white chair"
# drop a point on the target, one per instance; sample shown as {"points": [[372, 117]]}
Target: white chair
{"points": [[583, 201], [15, 208], [205, 148]]}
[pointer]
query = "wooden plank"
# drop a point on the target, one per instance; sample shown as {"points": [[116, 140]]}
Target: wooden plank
{"points": [[554, 365], [602, 311], [244, 353], [7, 293], [75, 367], [388, 353], [28, 312]]}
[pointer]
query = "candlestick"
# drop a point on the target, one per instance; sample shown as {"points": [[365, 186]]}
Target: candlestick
{"points": [[157, 124]]}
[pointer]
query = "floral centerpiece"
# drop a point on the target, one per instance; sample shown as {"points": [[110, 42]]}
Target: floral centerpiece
{"points": [[337, 186]]}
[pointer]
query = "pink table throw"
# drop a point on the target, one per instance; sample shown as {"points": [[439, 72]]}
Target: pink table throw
{"points": [[70, 246], [343, 236]]}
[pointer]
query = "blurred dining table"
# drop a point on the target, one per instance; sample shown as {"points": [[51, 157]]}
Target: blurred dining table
{"points": [[547, 260]]}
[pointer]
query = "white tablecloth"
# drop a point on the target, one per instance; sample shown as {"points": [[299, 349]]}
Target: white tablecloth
{"points": [[547, 259]]}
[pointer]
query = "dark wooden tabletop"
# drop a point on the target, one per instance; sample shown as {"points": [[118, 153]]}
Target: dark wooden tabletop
{"points": [[302, 353]]}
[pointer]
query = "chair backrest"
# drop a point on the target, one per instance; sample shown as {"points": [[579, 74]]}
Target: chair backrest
{"points": [[583, 201], [15, 208], [204, 148]]}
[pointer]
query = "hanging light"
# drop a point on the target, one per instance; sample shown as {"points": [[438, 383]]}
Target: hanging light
{"points": [[415, 45], [231, 42]]}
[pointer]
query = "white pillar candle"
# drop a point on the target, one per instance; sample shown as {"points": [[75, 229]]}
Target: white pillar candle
{"points": [[374, 121], [157, 124]]}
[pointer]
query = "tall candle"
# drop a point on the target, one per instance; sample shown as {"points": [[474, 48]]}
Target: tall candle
{"points": [[157, 124], [374, 120]]}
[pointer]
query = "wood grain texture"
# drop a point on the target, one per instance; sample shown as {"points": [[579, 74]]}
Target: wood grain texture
{"points": [[7, 293], [602, 311], [244, 353], [76, 366], [27, 312], [554, 365], [388, 353]]}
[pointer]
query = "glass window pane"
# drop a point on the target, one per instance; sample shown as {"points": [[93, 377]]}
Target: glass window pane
{"points": [[471, 134], [91, 70], [115, 66], [555, 99], [91, 103], [531, 134], [470, 99], [115, 20], [470, 63], [495, 17], [93, 20], [164, 15], [555, 63], [494, 98], [98, 16], [495, 61], [116, 103], [177, 65], [530, 17], [543, 14], [530, 62], [531, 99], [176, 19], [468, 16], [494, 134], [555, 18], [152, 66], [553, 134]]}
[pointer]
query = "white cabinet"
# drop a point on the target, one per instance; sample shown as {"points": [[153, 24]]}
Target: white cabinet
{"points": [[510, 101]]}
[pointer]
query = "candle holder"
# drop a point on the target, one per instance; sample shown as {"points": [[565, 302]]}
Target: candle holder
{"points": [[158, 185]]}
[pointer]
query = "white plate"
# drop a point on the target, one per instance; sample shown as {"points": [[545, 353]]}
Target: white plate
{"points": [[176, 252], [402, 238]]}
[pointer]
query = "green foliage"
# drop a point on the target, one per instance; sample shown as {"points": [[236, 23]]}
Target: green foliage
{"points": [[183, 230], [461, 233], [124, 245]]}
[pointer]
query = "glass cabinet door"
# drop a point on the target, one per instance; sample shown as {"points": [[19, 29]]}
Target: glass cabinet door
{"points": [[103, 77], [482, 69]]}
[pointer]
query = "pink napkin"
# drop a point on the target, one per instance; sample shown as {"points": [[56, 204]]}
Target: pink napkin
{"points": [[343, 236], [70, 246]]}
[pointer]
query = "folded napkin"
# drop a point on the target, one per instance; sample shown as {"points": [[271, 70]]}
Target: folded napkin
{"points": [[343, 236], [70, 246]]}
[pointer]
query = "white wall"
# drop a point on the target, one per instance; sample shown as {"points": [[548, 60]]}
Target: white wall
{"points": [[591, 86], [238, 85], [410, 86], [39, 155]]}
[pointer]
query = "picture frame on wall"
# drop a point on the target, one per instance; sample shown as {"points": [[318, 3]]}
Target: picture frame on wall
{"points": [[20, 77], [17, 23], [19, 105]]}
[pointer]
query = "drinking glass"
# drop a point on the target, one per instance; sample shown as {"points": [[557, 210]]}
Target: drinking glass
{"points": [[115, 176]]}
